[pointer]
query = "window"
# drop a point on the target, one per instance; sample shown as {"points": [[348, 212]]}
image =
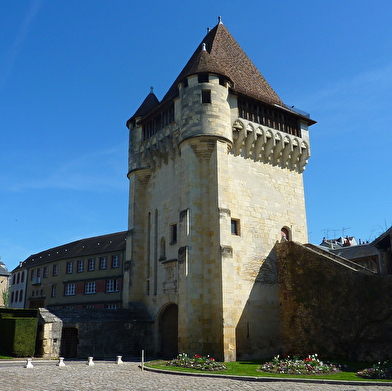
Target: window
{"points": [[102, 263], [53, 292], [115, 261], [111, 306], [173, 234], [22, 278], [55, 270], [69, 267], [13, 279], [80, 266], [206, 96], [12, 296], [18, 278], [91, 265], [203, 78], [21, 295], [235, 227], [32, 274], [38, 273], [112, 285], [89, 306], [45, 272], [90, 287], [285, 234], [70, 289]]}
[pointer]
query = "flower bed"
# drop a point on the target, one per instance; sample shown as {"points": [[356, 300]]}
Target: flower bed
{"points": [[381, 370], [197, 362], [311, 365]]}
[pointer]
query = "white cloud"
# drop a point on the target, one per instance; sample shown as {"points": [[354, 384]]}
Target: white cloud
{"points": [[10, 56], [100, 171], [363, 90]]}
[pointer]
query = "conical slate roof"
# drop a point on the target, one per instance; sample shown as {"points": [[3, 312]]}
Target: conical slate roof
{"points": [[224, 56], [148, 104]]}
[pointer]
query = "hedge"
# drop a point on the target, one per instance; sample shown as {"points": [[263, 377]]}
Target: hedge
{"points": [[18, 336]]}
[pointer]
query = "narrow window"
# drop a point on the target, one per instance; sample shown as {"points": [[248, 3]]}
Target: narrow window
{"points": [[91, 264], [173, 234], [206, 96], [21, 295], [115, 261], [22, 278], [17, 278], [235, 227], [12, 296], [103, 263], [285, 234], [32, 274], [38, 273], [45, 272], [80, 266], [55, 270], [53, 292], [13, 279], [69, 267]]}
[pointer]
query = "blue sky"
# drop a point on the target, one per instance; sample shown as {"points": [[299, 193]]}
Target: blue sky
{"points": [[72, 72]]}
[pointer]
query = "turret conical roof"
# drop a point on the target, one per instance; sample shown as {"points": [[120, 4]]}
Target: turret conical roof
{"points": [[149, 103], [224, 56]]}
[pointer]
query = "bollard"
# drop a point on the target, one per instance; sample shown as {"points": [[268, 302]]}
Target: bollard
{"points": [[90, 361], [29, 363], [61, 362], [118, 360]]}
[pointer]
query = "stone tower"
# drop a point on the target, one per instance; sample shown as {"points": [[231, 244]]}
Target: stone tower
{"points": [[215, 172]]}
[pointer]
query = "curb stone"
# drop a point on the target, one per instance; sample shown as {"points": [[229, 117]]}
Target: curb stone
{"points": [[272, 379]]}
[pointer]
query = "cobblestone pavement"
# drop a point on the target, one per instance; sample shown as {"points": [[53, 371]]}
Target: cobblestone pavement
{"points": [[108, 376]]}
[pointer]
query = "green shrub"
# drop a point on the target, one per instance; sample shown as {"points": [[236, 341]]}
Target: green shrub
{"points": [[19, 336]]}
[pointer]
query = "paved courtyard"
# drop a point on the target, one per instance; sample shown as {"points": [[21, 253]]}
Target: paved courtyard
{"points": [[108, 376]]}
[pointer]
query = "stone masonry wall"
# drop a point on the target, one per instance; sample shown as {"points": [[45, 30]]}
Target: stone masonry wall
{"points": [[331, 309]]}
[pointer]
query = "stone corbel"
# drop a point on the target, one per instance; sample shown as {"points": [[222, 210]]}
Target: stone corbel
{"points": [[241, 129], [249, 142], [303, 160], [295, 154], [147, 155], [269, 147], [279, 145], [288, 149]]}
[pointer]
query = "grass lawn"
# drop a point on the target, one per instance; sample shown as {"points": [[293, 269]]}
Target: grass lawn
{"points": [[250, 368]]}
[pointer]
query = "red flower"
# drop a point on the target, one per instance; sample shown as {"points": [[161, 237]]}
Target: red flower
{"points": [[307, 359]]}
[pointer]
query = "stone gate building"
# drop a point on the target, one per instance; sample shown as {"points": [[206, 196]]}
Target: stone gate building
{"points": [[215, 171]]}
